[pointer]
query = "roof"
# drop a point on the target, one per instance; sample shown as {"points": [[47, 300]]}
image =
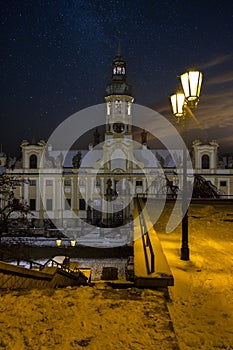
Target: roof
{"points": [[150, 158]]}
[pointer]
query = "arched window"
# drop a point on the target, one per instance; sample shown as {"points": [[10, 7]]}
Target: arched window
{"points": [[33, 162], [118, 106], [205, 162]]}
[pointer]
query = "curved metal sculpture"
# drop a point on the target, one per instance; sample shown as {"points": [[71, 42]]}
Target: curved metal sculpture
{"points": [[204, 189]]}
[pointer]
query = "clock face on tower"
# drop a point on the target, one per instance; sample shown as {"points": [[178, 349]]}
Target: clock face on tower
{"points": [[118, 127]]}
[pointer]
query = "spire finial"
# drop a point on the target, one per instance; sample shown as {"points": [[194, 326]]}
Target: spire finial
{"points": [[119, 49]]}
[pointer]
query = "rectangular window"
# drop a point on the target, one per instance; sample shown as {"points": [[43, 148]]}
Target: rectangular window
{"points": [[49, 204], [16, 182], [67, 183], [32, 182], [82, 182], [97, 183], [49, 182], [223, 183], [82, 204], [139, 183], [32, 204], [68, 204]]}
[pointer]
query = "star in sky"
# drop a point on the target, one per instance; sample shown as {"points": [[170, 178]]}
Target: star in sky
{"points": [[56, 59]]}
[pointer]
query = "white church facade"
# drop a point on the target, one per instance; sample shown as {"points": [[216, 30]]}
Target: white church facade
{"points": [[70, 189]]}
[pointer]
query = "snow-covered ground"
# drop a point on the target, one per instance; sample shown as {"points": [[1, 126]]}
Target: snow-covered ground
{"points": [[99, 318], [201, 304]]}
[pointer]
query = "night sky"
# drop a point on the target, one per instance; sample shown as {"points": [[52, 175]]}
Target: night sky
{"points": [[56, 59]]}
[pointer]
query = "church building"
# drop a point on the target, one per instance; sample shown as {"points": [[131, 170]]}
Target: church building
{"points": [[97, 185]]}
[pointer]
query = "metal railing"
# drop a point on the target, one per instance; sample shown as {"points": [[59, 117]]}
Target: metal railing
{"points": [[12, 278], [38, 266], [32, 264], [63, 266], [147, 245]]}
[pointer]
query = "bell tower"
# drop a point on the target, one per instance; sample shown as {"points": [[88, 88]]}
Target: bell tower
{"points": [[119, 102], [118, 152]]}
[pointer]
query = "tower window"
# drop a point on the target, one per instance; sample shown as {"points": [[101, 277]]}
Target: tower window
{"points": [[223, 183], [33, 162], [205, 162], [119, 70], [118, 106]]}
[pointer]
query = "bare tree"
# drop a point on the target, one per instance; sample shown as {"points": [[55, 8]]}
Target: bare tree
{"points": [[13, 211]]}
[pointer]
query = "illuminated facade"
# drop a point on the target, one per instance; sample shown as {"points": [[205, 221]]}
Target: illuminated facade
{"points": [[115, 169]]}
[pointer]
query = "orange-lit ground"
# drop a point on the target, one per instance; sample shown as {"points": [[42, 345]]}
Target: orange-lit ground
{"points": [[94, 317], [99, 318], [202, 298]]}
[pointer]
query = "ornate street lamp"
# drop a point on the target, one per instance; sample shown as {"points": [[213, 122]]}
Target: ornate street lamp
{"points": [[188, 98], [182, 103]]}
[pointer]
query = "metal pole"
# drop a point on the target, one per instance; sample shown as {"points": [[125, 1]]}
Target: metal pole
{"points": [[185, 246]]}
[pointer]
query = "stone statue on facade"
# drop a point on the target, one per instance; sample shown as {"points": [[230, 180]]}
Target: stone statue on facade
{"points": [[76, 160], [110, 192]]}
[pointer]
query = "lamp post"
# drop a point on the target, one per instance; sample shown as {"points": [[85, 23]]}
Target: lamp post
{"points": [[59, 242], [182, 103]]}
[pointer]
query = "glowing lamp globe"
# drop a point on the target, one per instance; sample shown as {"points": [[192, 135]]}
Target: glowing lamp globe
{"points": [[177, 102], [73, 243], [191, 83], [58, 242]]}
